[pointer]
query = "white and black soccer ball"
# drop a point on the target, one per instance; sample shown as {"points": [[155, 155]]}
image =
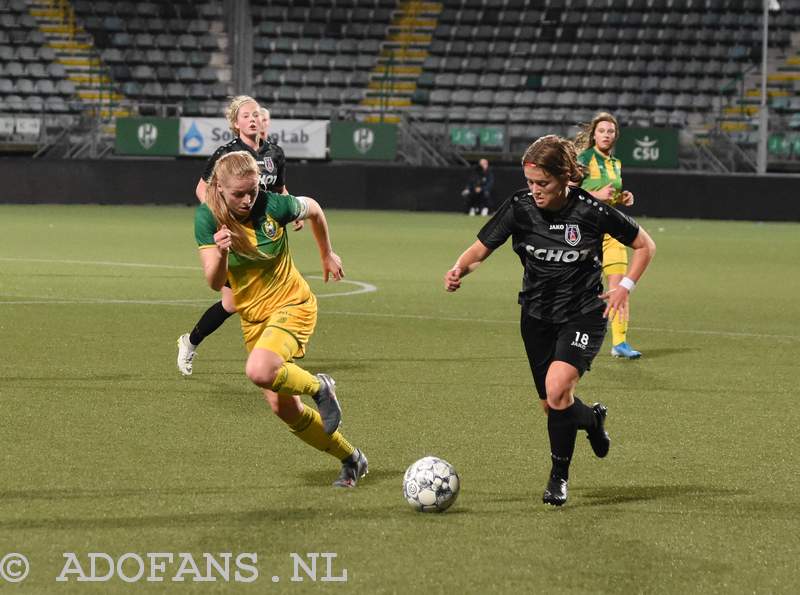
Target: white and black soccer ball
{"points": [[431, 484]]}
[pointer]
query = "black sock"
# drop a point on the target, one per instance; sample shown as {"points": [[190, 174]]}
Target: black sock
{"points": [[210, 321], [583, 415], [562, 431]]}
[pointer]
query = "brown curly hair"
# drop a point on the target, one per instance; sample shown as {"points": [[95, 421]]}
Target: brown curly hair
{"points": [[556, 155]]}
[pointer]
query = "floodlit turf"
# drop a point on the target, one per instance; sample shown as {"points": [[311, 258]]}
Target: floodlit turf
{"points": [[106, 448]]}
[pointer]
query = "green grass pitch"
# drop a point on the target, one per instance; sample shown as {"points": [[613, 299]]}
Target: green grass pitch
{"points": [[106, 448]]}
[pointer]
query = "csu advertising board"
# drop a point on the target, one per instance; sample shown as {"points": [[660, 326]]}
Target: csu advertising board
{"points": [[299, 139], [655, 148]]}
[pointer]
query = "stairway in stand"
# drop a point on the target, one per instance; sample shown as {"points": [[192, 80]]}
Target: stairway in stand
{"points": [[75, 50], [403, 52]]}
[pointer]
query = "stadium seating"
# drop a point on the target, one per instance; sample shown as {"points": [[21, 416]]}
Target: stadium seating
{"points": [[512, 63], [162, 52], [650, 62], [36, 95], [312, 59]]}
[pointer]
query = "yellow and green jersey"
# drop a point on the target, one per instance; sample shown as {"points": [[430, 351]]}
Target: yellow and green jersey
{"points": [[600, 172], [261, 286]]}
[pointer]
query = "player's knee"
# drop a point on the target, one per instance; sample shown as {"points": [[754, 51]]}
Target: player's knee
{"points": [[558, 394], [557, 400], [262, 371]]}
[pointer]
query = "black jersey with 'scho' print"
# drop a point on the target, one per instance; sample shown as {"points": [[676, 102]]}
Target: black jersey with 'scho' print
{"points": [[561, 251], [270, 158], [272, 162]]}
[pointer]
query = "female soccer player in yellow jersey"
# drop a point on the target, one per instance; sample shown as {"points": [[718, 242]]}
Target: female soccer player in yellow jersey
{"points": [[244, 121], [603, 180], [240, 230]]}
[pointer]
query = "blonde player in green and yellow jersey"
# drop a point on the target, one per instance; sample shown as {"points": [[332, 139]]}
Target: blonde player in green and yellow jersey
{"points": [[603, 180], [240, 231]]}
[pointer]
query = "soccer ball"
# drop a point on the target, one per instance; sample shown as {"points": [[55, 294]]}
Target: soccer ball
{"points": [[431, 485]]}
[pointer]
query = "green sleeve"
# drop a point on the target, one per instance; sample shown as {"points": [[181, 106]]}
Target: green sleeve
{"points": [[584, 157], [285, 208], [205, 226]]}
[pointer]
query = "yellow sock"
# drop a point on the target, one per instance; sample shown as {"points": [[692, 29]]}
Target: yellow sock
{"points": [[308, 427], [619, 331], [294, 380]]}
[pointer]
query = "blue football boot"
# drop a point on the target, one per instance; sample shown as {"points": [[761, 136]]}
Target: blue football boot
{"points": [[625, 351]]}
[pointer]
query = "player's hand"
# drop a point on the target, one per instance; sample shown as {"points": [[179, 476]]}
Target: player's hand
{"points": [[452, 279], [332, 267], [626, 198], [298, 224], [223, 239], [605, 194], [616, 303]]}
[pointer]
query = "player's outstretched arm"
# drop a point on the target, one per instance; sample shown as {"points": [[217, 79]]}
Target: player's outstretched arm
{"points": [[644, 248], [466, 263], [331, 263]]}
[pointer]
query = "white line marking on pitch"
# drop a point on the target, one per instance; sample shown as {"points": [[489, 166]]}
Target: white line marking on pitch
{"points": [[102, 263], [362, 287], [638, 328]]}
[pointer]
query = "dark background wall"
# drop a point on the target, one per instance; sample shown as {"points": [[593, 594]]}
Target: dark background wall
{"points": [[361, 186]]}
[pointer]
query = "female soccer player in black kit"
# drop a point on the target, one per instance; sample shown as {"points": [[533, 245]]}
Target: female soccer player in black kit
{"points": [[557, 230]]}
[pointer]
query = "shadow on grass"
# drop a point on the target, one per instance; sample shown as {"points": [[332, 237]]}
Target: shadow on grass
{"points": [[665, 352], [319, 362], [56, 378], [625, 494], [324, 477], [261, 517], [204, 498], [87, 494]]}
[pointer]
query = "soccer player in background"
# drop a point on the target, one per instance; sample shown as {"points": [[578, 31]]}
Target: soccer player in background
{"points": [[246, 121], [603, 180], [273, 159], [557, 231], [240, 230]]}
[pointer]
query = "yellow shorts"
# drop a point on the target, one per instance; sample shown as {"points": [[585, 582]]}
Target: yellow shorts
{"points": [[615, 256], [286, 331]]}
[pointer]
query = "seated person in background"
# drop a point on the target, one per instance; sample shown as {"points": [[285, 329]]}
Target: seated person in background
{"points": [[478, 191]]}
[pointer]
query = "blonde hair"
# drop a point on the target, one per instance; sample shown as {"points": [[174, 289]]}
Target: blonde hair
{"points": [[556, 155], [585, 137], [232, 111], [238, 164]]}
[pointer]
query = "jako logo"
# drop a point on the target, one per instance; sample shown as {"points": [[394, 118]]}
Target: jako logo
{"points": [[147, 135], [363, 138], [646, 150]]}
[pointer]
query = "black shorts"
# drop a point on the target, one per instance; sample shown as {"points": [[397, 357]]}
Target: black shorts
{"points": [[576, 342]]}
